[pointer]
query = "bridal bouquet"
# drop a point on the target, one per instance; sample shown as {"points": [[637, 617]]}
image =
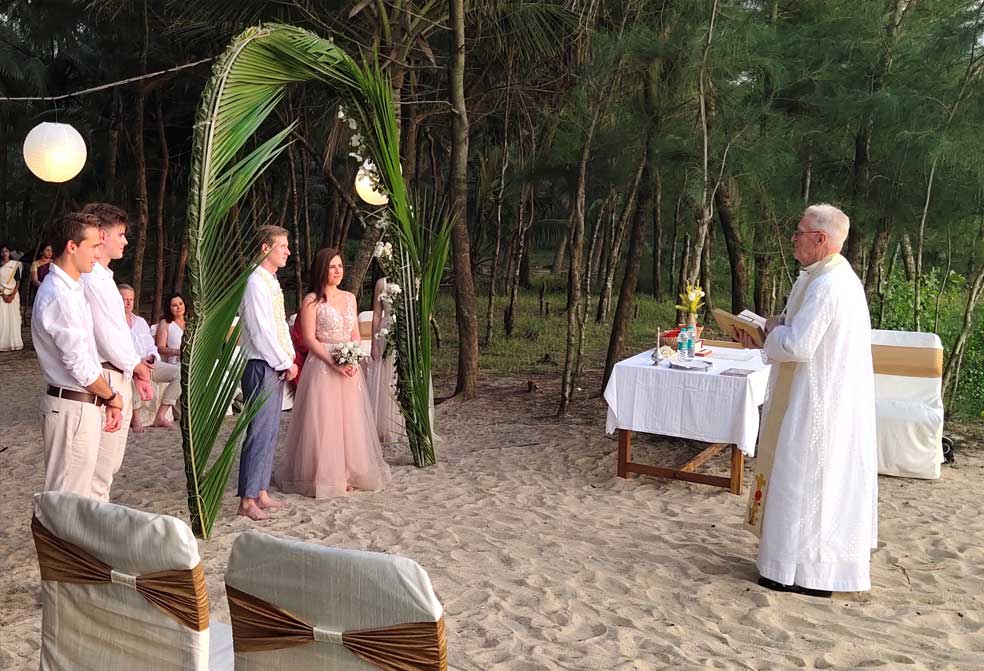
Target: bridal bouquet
{"points": [[347, 354]]}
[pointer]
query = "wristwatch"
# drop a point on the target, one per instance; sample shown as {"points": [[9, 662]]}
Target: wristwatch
{"points": [[107, 401]]}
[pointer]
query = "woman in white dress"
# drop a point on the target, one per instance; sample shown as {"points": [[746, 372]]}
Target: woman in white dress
{"points": [[168, 338], [381, 370], [10, 314]]}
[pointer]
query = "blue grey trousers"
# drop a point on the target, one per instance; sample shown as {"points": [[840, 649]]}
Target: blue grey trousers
{"points": [[256, 463]]}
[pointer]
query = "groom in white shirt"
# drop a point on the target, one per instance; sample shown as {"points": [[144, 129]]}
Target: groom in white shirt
{"points": [[79, 403], [119, 358], [270, 354]]}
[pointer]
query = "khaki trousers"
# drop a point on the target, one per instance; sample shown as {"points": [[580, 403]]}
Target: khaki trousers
{"points": [[112, 445], [70, 432]]}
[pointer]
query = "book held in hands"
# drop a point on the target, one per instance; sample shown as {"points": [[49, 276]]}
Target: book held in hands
{"points": [[745, 321]]}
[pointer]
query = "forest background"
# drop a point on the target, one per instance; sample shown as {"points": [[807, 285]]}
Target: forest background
{"points": [[594, 156]]}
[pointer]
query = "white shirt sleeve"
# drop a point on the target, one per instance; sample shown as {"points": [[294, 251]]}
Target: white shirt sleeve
{"points": [[109, 325], [257, 314], [70, 334], [143, 342], [798, 340]]}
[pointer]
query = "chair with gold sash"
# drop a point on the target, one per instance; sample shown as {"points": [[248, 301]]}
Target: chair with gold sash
{"points": [[908, 402], [301, 606], [121, 589]]}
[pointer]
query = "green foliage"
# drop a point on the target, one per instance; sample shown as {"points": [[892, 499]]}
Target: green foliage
{"points": [[969, 399]]}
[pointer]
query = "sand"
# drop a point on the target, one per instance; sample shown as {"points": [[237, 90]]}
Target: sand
{"points": [[545, 560]]}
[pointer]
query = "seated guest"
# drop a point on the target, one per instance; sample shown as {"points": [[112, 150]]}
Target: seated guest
{"points": [[166, 375], [171, 328]]}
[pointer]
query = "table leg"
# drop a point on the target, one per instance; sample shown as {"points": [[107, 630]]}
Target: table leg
{"points": [[624, 452], [737, 469]]}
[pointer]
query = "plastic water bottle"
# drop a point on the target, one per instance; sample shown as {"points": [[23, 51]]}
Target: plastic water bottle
{"points": [[691, 342], [682, 343]]}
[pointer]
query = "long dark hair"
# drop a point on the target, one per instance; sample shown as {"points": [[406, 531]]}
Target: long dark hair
{"points": [[318, 278], [166, 307]]}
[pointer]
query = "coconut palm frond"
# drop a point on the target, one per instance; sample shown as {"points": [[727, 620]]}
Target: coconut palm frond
{"points": [[248, 81]]}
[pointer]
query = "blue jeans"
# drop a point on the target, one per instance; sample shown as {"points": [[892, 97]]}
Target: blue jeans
{"points": [[256, 463]]}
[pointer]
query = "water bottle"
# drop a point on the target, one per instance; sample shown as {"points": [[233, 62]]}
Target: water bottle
{"points": [[682, 343], [691, 342]]}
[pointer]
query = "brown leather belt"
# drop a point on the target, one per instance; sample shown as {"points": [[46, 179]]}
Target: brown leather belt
{"points": [[109, 366], [71, 395]]}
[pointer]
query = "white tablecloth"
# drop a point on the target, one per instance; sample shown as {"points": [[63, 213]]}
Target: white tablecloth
{"points": [[704, 406]]}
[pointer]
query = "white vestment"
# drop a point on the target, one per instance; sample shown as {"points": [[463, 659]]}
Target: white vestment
{"points": [[819, 518]]}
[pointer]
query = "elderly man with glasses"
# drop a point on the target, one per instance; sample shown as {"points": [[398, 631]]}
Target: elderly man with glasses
{"points": [[814, 498]]}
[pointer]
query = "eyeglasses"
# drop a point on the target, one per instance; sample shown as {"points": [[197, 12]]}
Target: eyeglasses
{"points": [[798, 233]]}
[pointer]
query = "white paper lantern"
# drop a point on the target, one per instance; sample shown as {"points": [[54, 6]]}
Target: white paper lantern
{"points": [[54, 152], [363, 187]]}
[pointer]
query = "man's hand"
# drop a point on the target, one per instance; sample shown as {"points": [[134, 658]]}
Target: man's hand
{"points": [[114, 417], [771, 323], [745, 339], [291, 372], [141, 380], [144, 389]]}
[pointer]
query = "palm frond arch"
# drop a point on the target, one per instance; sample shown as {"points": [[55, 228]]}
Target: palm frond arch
{"points": [[247, 83]]}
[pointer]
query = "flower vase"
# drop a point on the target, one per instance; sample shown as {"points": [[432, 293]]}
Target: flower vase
{"points": [[692, 320]]}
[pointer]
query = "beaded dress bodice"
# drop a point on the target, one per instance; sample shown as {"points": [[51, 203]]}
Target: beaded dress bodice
{"points": [[333, 325]]}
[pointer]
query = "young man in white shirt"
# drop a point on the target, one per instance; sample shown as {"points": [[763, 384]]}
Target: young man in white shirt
{"points": [[79, 403], [164, 374], [270, 354], [119, 359]]}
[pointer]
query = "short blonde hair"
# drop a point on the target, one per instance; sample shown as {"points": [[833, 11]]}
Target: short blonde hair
{"points": [[269, 232], [830, 220]]}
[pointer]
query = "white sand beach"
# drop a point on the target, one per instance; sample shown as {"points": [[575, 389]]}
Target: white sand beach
{"points": [[545, 560]]}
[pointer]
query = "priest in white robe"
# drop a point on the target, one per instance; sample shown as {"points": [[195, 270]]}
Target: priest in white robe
{"points": [[815, 494]]}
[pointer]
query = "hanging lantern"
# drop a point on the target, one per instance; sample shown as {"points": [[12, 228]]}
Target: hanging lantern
{"points": [[367, 192], [54, 152]]}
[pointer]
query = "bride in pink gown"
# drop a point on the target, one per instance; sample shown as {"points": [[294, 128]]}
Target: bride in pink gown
{"points": [[332, 446]]}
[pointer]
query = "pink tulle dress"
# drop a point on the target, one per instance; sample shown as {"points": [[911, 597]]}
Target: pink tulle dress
{"points": [[332, 445]]}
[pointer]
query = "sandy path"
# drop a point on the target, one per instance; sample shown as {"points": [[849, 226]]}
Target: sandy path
{"points": [[545, 560]]}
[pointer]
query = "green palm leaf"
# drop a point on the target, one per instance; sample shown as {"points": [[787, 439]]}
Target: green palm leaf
{"points": [[248, 82]]}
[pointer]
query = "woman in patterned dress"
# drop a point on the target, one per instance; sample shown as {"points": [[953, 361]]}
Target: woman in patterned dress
{"points": [[332, 446]]}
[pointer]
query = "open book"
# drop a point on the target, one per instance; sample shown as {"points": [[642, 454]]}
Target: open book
{"points": [[746, 321]]}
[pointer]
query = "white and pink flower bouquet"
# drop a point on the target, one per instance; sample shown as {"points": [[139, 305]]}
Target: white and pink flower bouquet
{"points": [[347, 354]]}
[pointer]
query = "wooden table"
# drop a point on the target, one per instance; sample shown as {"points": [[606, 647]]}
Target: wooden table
{"points": [[687, 472], [719, 412]]}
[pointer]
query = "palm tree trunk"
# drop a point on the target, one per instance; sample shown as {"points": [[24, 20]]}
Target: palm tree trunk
{"points": [[605, 291], [658, 240], [559, 254], [514, 280], [159, 223], [732, 240], [143, 215], [625, 307], [464, 284]]}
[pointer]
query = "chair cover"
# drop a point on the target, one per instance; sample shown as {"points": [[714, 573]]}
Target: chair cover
{"points": [[110, 625], [908, 403], [329, 588], [365, 331]]}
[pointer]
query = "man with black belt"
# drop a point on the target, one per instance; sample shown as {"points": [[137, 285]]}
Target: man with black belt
{"points": [[79, 403], [119, 357]]}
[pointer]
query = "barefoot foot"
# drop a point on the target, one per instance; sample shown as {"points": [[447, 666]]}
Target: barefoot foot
{"points": [[161, 419], [248, 508], [266, 501], [135, 425]]}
